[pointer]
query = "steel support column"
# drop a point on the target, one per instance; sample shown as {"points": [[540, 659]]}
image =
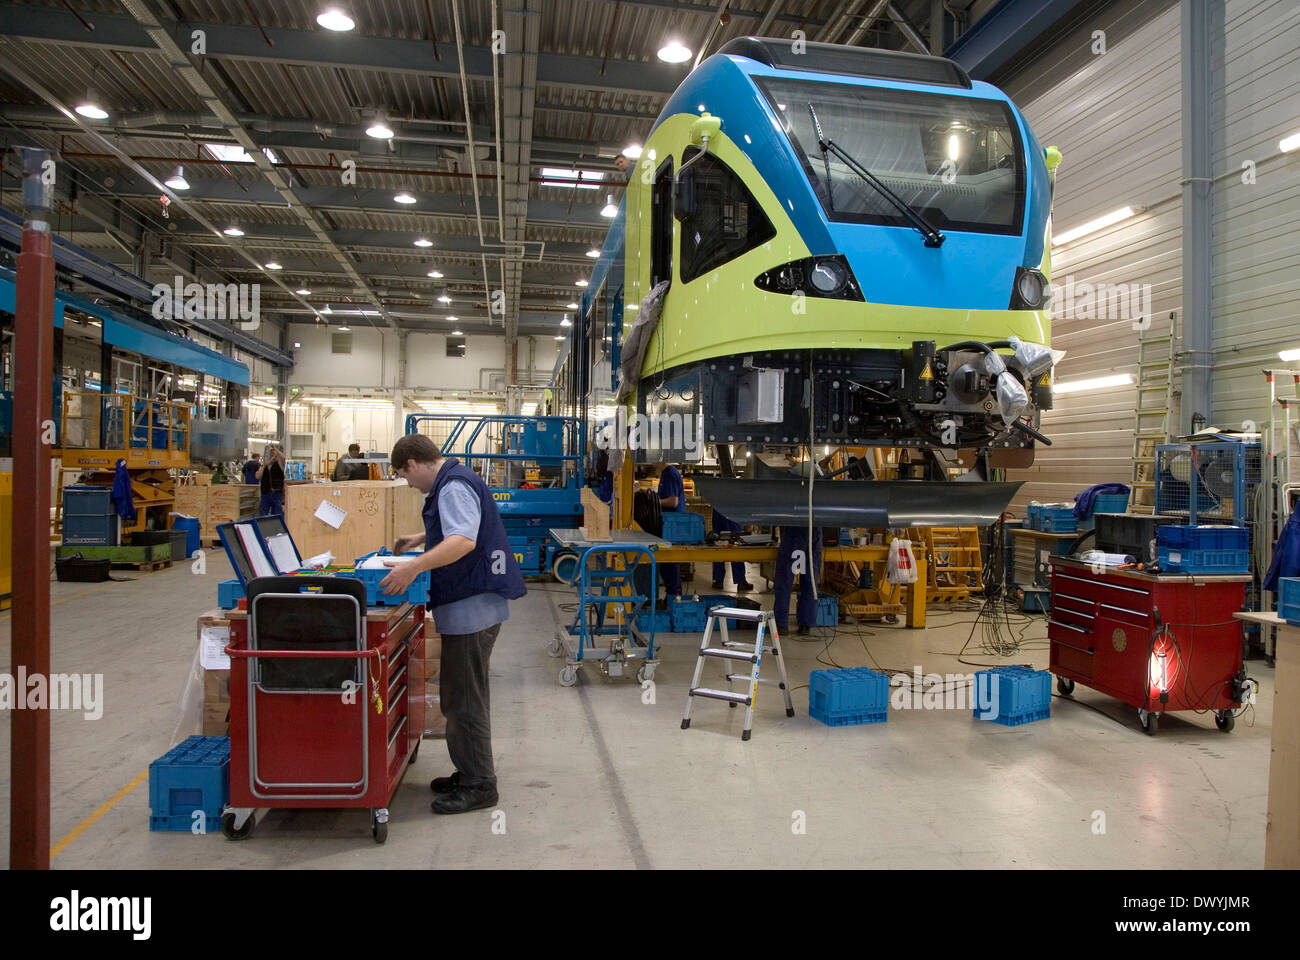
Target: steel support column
{"points": [[29, 737], [1198, 192]]}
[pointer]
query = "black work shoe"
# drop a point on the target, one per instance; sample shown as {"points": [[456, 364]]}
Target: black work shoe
{"points": [[717, 584], [465, 799], [743, 587], [445, 784], [804, 630]]}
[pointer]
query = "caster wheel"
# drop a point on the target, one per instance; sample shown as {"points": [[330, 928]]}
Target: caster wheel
{"points": [[644, 674], [378, 829], [564, 568], [568, 676], [1064, 686], [1225, 721], [228, 827], [1150, 722], [555, 649]]}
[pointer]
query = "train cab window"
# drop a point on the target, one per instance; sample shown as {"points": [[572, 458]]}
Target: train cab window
{"points": [[661, 225], [727, 221]]}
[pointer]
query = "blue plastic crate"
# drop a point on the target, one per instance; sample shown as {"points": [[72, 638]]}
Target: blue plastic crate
{"points": [[86, 531], [1110, 503], [1051, 518], [849, 696], [688, 614], [417, 592], [1203, 537], [229, 593], [1288, 599], [194, 775], [659, 620], [1017, 695], [683, 527], [828, 611], [1194, 562]]}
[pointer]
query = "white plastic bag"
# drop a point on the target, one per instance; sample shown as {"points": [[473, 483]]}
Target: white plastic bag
{"points": [[901, 567]]}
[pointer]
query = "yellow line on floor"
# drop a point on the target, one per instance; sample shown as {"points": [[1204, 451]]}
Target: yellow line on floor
{"points": [[104, 808], [86, 593]]}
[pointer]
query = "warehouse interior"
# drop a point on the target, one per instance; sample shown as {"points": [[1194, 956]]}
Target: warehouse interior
{"points": [[438, 220]]}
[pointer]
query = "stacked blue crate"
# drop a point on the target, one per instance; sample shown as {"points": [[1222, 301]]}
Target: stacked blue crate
{"points": [[1012, 695], [192, 776], [688, 614], [846, 697], [683, 527], [1203, 549], [229, 593], [89, 518]]}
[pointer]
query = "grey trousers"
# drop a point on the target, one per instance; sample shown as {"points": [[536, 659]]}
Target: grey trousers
{"points": [[467, 705]]}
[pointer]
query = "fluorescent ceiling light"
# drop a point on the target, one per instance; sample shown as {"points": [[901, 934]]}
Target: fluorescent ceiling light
{"points": [[436, 274], [561, 337], [611, 208], [569, 184], [1094, 383], [1287, 144], [444, 299], [632, 151], [572, 306], [233, 231], [304, 292], [571, 173], [1288, 355], [423, 242], [404, 197], [456, 333], [674, 51], [335, 19], [453, 319], [273, 266], [345, 329], [579, 283], [593, 253], [1092, 226], [177, 180]]}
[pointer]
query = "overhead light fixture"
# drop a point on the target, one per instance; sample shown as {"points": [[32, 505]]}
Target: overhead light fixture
{"points": [[632, 151], [1287, 144], [1286, 356], [561, 337], [1092, 226], [444, 299], [304, 292], [452, 319], [90, 107], [233, 231], [423, 242], [332, 18], [297, 345], [345, 329], [327, 309], [593, 253], [572, 306], [404, 197], [379, 128], [566, 322], [610, 209], [456, 333], [674, 51], [273, 266], [1094, 383], [579, 283], [436, 274], [177, 180]]}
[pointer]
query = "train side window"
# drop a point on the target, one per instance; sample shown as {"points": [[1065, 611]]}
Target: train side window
{"points": [[661, 225], [727, 220]]}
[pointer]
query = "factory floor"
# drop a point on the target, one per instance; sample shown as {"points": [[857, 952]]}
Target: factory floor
{"points": [[594, 776]]}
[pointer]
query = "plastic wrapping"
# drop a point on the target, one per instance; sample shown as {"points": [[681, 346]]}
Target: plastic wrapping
{"points": [[993, 364], [189, 712], [1035, 358], [1012, 397], [901, 566]]}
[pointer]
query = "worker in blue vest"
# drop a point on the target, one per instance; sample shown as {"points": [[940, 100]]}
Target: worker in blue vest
{"points": [[251, 467], [793, 557], [722, 525], [604, 479], [476, 576], [672, 496]]}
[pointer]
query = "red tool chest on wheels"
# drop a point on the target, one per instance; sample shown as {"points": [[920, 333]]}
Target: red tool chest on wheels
{"points": [[1159, 643], [326, 700]]}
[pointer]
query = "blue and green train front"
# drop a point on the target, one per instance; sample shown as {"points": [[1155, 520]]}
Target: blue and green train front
{"points": [[857, 256]]}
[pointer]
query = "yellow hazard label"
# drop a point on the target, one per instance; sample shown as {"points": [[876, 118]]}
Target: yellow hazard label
{"points": [[1045, 380], [926, 374]]}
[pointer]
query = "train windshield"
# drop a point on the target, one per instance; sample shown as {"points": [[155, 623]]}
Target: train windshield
{"points": [[956, 161]]}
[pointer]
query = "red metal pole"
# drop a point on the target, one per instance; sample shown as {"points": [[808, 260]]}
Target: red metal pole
{"points": [[29, 763]]}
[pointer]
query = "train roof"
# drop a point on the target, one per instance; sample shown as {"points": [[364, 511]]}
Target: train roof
{"points": [[784, 53]]}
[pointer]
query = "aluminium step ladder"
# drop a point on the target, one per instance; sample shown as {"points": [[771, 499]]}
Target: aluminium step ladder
{"points": [[1151, 409], [765, 638]]}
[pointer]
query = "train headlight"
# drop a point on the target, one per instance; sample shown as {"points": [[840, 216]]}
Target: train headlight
{"points": [[826, 276], [1030, 290]]}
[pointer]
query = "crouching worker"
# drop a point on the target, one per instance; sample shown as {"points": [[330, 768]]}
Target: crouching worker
{"points": [[475, 576]]}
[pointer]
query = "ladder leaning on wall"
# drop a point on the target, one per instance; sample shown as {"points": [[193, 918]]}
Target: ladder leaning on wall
{"points": [[1151, 409]]}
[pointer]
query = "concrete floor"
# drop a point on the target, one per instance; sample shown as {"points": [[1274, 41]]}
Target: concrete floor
{"points": [[591, 776]]}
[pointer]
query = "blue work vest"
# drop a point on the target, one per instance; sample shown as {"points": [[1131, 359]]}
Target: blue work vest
{"points": [[471, 574]]}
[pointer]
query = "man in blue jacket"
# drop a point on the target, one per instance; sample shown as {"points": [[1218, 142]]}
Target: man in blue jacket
{"points": [[475, 576], [672, 496]]}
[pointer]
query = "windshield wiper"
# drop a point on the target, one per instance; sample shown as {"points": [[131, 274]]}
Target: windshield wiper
{"points": [[933, 238]]}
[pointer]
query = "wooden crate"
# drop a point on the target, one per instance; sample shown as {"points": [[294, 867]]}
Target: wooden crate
{"points": [[378, 511], [216, 504]]}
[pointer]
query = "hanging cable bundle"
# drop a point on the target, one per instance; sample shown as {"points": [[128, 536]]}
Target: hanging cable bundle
{"points": [[648, 512]]}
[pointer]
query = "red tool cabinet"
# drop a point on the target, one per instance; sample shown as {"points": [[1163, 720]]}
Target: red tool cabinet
{"points": [[1134, 635], [327, 748]]}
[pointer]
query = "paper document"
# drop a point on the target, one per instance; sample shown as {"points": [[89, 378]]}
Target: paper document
{"points": [[283, 553], [330, 514], [320, 561], [256, 555], [212, 648], [379, 563]]}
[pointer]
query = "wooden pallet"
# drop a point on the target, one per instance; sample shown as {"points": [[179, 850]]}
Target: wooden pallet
{"points": [[151, 566]]}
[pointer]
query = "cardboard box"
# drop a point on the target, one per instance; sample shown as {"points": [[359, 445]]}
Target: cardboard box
{"points": [[595, 515], [216, 703], [378, 512]]}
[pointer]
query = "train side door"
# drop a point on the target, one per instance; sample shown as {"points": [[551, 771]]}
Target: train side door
{"points": [[661, 225]]}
